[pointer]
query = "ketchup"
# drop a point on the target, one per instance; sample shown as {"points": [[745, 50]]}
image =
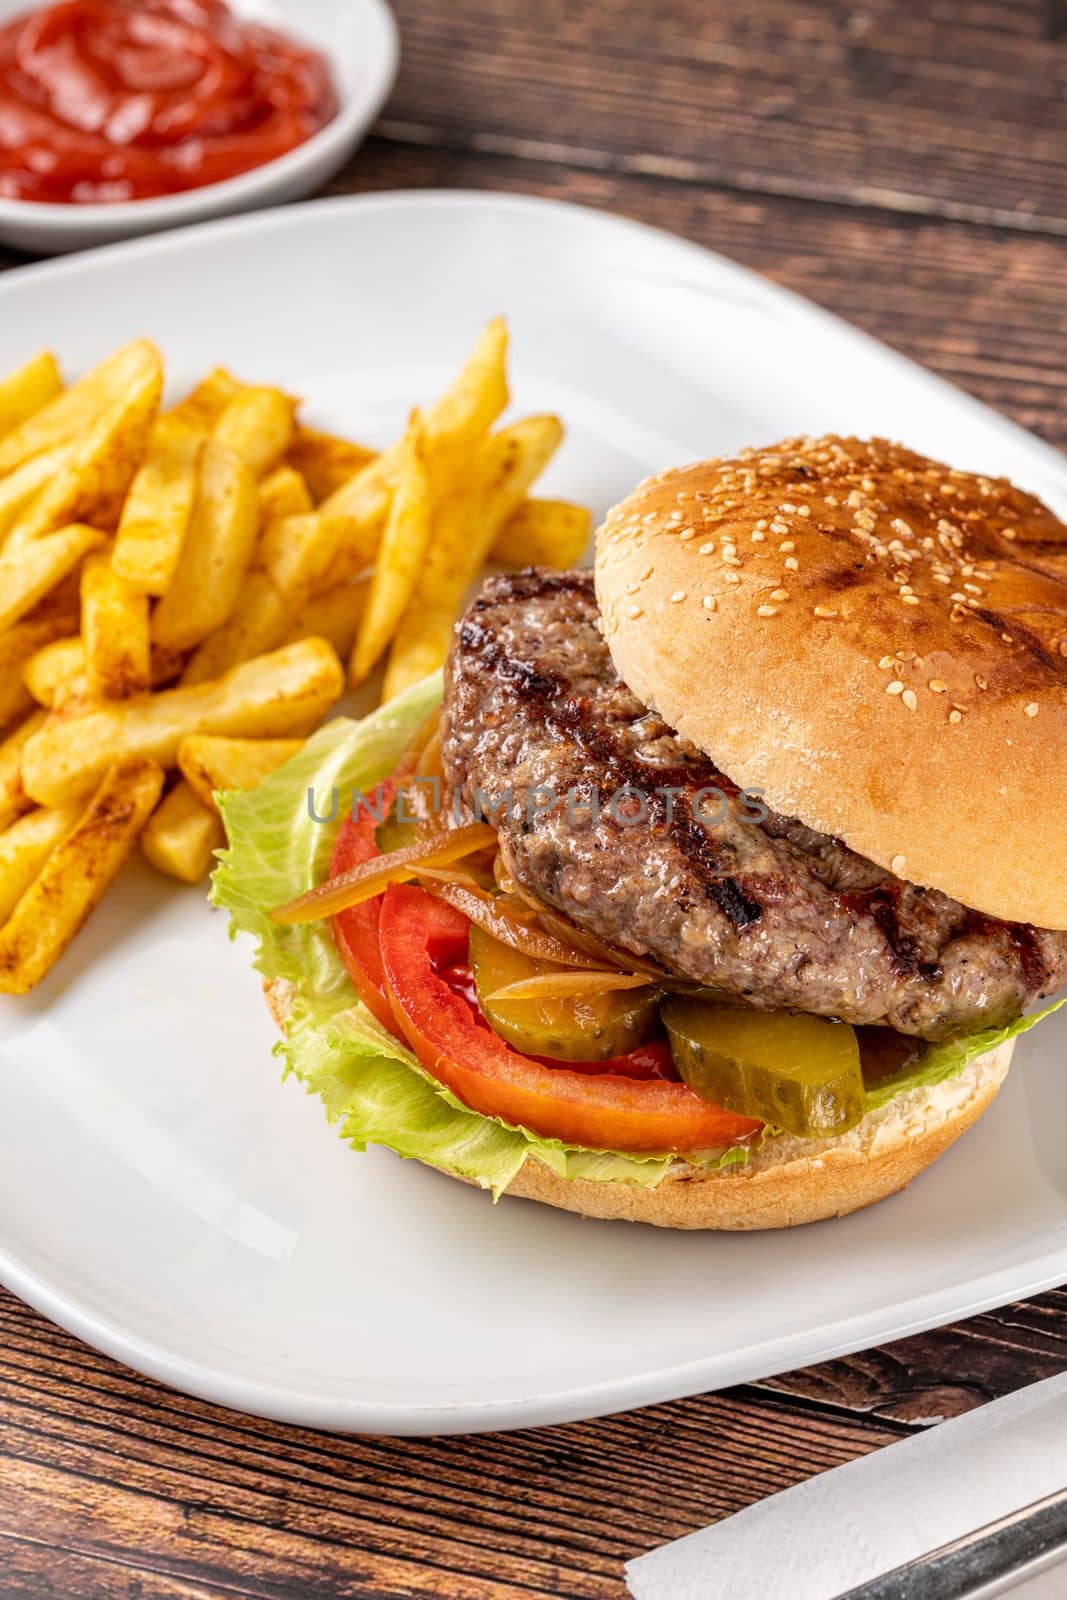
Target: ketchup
{"points": [[110, 100]]}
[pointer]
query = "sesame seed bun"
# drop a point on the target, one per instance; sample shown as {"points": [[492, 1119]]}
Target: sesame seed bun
{"points": [[876, 641], [789, 1180]]}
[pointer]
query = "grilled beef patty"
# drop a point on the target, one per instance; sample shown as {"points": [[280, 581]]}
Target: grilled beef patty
{"points": [[766, 911]]}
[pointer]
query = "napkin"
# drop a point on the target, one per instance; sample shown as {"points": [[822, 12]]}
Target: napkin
{"points": [[849, 1525]]}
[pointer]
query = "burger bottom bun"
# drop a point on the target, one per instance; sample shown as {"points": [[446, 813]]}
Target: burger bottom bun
{"points": [[790, 1180]]}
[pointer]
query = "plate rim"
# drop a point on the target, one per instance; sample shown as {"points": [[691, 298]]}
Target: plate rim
{"points": [[263, 1398]]}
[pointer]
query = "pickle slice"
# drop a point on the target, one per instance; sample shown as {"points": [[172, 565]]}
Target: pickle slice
{"points": [[800, 1073], [392, 833], [569, 1028]]}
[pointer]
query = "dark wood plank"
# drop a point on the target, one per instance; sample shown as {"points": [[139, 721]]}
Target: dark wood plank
{"points": [[930, 109], [943, 1373]]}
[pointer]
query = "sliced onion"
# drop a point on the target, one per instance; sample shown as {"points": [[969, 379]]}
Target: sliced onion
{"points": [[508, 919], [371, 877], [598, 950], [568, 985]]}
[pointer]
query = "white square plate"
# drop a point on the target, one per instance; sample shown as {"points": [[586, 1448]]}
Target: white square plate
{"points": [[160, 1194]]}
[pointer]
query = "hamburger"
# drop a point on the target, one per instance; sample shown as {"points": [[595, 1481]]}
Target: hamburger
{"points": [[715, 886]]}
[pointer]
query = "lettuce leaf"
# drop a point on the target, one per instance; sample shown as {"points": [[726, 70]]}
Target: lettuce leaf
{"points": [[941, 1061], [373, 1089]]}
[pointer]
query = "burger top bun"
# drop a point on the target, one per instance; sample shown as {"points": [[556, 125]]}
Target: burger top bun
{"points": [[876, 641]]}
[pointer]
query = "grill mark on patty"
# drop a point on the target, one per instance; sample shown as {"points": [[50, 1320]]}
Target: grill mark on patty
{"points": [[572, 717], [882, 904], [773, 912]]}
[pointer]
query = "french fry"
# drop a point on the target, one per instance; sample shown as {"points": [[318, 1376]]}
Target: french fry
{"points": [[258, 623], [18, 645], [77, 873], [208, 763], [91, 483], [155, 517], [56, 672], [284, 693], [78, 408], [21, 488], [182, 836], [325, 461], [544, 533], [308, 554], [283, 493], [334, 616], [29, 390], [115, 633], [25, 847], [13, 798], [400, 557], [203, 406], [257, 425], [214, 555], [500, 472], [453, 426], [26, 575]]}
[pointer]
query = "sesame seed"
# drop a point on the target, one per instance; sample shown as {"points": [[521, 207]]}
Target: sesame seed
{"points": [[644, 576], [707, 547], [955, 716], [896, 687], [791, 564], [897, 865], [679, 594], [803, 511], [634, 611], [631, 588], [910, 599], [731, 577], [758, 537], [766, 611], [779, 594], [1031, 709], [824, 611], [709, 602], [730, 559], [786, 547], [910, 699], [886, 661], [938, 686]]}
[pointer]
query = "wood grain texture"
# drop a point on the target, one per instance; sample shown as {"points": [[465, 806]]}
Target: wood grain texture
{"points": [[904, 163], [942, 109]]}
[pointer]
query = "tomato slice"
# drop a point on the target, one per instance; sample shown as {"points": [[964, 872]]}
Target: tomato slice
{"points": [[420, 935], [355, 931]]}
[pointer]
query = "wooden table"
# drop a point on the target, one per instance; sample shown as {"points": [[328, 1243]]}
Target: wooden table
{"points": [[903, 162]]}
